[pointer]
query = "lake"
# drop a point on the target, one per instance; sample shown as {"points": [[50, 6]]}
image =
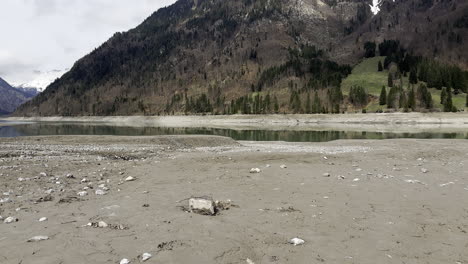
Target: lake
{"points": [[20, 129]]}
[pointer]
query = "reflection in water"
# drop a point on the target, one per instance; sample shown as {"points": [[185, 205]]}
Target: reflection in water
{"points": [[42, 129]]}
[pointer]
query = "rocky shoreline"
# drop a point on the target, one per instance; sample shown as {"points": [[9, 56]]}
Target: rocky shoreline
{"points": [[102, 199]]}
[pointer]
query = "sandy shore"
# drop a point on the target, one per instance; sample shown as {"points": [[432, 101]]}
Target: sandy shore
{"points": [[390, 201], [385, 122]]}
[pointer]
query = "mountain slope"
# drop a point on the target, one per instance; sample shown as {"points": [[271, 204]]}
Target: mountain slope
{"points": [[10, 98], [216, 56]]}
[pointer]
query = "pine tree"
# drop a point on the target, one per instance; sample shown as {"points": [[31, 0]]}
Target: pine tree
{"points": [[390, 80], [411, 99], [448, 104], [391, 98], [413, 77], [443, 96], [380, 67], [308, 107], [275, 104], [317, 106], [383, 96]]}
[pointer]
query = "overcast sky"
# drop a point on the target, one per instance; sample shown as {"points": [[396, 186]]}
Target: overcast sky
{"points": [[43, 35]]}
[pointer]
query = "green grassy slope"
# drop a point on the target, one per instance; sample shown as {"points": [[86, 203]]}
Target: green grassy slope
{"points": [[366, 75]]}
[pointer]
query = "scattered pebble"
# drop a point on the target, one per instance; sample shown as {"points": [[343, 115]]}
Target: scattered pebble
{"points": [[145, 256], [296, 241], [255, 170], [356, 179], [424, 170], [445, 184], [124, 261], [42, 219], [129, 178], [249, 261], [82, 193], [326, 174], [10, 220], [38, 238], [283, 166], [100, 192]]}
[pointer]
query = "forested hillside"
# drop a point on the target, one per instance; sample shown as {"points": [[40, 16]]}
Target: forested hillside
{"points": [[266, 56]]}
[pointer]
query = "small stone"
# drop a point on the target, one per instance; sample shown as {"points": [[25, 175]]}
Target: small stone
{"points": [[38, 238], [49, 191], [358, 169], [125, 261], [202, 206], [255, 170], [42, 219], [102, 224], [100, 192], [129, 178], [82, 193], [283, 166], [356, 180], [326, 174], [146, 256], [70, 176], [84, 180], [424, 170], [296, 241], [341, 177], [10, 220], [42, 174], [249, 261]]}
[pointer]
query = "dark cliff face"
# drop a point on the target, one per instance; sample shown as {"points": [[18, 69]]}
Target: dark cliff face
{"points": [[219, 48]]}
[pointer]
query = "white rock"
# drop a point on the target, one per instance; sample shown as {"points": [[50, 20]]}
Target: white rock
{"points": [[124, 261], [326, 174], [202, 206], [255, 170], [42, 174], [356, 180], [283, 166], [70, 176], [82, 193], [21, 179], [10, 220], [49, 191], [296, 241], [129, 178], [268, 166], [358, 169], [445, 184], [424, 170], [38, 238], [100, 192], [249, 261], [84, 180], [42, 219], [146, 256], [5, 200], [102, 224]]}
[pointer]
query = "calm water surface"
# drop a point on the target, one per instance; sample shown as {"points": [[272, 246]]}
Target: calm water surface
{"points": [[9, 129]]}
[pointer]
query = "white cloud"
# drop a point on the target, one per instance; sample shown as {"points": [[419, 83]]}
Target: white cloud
{"points": [[52, 34]]}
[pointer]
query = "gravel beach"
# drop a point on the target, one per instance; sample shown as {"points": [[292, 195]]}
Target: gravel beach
{"points": [[100, 199]]}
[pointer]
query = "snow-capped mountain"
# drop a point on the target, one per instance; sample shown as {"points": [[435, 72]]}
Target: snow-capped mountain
{"points": [[41, 80]]}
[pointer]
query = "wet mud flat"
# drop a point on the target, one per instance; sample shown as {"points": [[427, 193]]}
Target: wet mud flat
{"points": [[102, 199]]}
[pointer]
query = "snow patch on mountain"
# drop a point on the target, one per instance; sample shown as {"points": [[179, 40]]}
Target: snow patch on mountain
{"points": [[375, 6], [41, 80]]}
